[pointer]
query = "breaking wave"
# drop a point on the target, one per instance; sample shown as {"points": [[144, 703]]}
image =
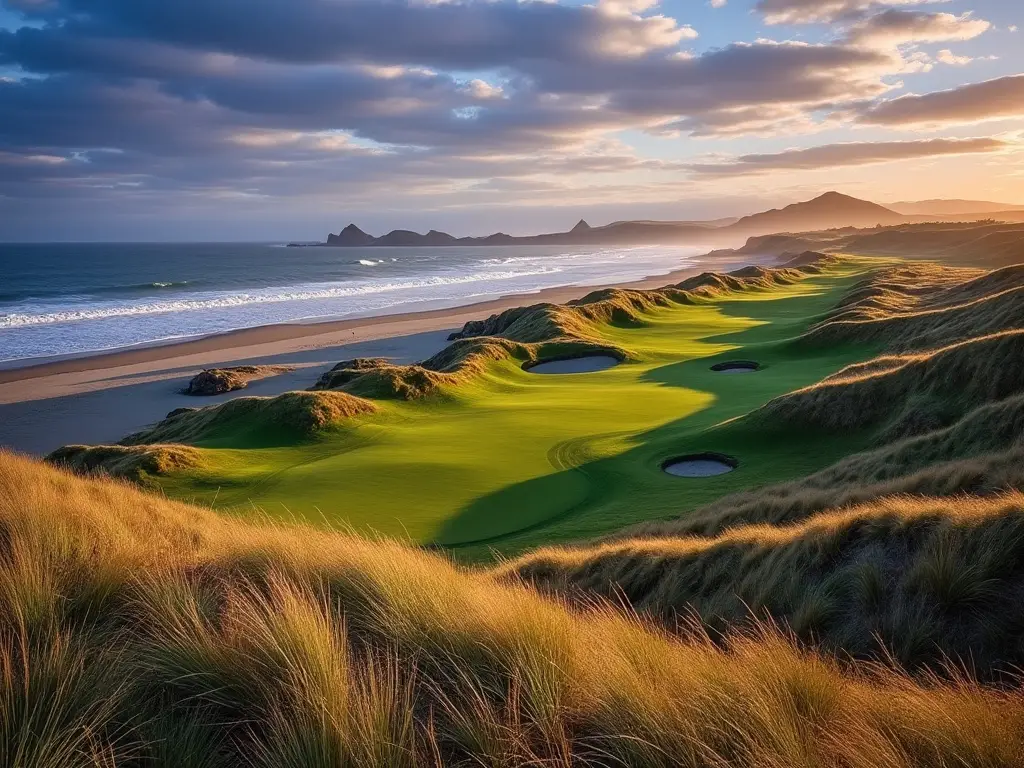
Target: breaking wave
{"points": [[194, 302]]}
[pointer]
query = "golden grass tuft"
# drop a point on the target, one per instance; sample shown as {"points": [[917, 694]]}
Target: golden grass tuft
{"points": [[922, 306], [860, 581], [912, 393], [138, 631], [132, 462]]}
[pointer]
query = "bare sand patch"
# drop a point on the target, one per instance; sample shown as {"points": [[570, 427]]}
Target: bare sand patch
{"points": [[588, 364], [700, 465], [736, 366]]}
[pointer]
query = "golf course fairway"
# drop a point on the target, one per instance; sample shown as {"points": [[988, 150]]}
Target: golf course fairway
{"points": [[509, 459]]}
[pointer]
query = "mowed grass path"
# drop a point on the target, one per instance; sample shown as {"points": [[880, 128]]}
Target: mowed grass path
{"points": [[518, 459]]}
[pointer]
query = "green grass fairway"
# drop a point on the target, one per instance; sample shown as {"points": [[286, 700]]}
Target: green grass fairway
{"points": [[516, 459]]}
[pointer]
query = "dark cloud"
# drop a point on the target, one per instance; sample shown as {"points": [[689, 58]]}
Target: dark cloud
{"points": [[1002, 97], [848, 154], [451, 35]]}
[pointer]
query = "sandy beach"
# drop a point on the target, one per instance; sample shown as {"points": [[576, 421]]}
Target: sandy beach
{"points": [[101, 398]]}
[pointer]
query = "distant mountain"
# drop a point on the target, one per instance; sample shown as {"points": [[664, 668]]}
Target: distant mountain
{"points": [[952, 207], [831, 210], [987, 244], [405, 238], [351, 236]]}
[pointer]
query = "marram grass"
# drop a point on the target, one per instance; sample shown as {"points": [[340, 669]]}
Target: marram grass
{"points": [[136, 631]]}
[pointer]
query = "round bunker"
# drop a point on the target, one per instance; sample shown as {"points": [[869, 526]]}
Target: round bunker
{"points": [[700, 465], [736, 366], [587, 364]]}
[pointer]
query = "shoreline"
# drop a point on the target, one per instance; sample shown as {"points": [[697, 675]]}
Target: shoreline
{"points": [[99, 398], [362, 328]]}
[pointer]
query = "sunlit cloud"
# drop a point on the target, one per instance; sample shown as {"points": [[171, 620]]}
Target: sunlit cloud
{"points": [[848, 154], [989, 100]]}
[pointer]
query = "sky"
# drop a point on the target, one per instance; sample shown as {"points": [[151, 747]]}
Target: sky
{"points": [[286, 119]]}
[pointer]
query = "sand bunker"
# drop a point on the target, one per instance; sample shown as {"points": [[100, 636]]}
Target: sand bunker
{"points": [[587, 364], [700, 465], [736, 366]]}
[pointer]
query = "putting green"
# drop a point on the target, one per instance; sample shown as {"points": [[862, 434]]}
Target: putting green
{"points": [[513, 459]]}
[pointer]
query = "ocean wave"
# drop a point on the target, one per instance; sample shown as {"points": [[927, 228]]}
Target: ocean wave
{"points": [[369, 262], [601, 253], [105, 310], [86, 292]]}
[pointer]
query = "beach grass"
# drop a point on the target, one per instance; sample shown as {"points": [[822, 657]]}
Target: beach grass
{"points": [[137, 631]]}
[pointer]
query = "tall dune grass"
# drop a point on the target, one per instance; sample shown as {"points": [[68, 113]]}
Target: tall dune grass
{"points": [[136, 631], [919, 581]]}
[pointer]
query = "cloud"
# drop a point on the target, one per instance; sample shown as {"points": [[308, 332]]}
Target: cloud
{"points": [[566, 72], [896, 27], [824, 11], [452, 35], [1002, 97], [848, 154], [352, 99], [946, 56]]}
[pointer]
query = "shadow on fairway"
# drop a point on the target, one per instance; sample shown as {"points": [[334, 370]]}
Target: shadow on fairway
{"points": [[593, 498]]}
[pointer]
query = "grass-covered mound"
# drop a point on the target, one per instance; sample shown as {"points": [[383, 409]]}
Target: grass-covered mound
{"points": [[296, 414], [133, 462], [543, 332], [911, 393], [162, 449], [952, 340], [618, 306], [924, 306], [922, 580], [458, 363], [135, 631]]}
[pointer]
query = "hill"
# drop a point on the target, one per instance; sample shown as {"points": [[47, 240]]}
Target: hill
{"points": [[827, 211], [989, 244], [952, 207]]}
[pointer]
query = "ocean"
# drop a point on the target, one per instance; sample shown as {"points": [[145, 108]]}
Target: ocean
{"points": [[73, 298]]}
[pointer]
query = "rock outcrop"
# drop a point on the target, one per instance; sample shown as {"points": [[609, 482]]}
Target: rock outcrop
{"points": [[217, 381]]}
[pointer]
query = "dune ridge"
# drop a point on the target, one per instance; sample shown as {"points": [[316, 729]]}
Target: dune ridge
{"points": [[922, 516]]}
